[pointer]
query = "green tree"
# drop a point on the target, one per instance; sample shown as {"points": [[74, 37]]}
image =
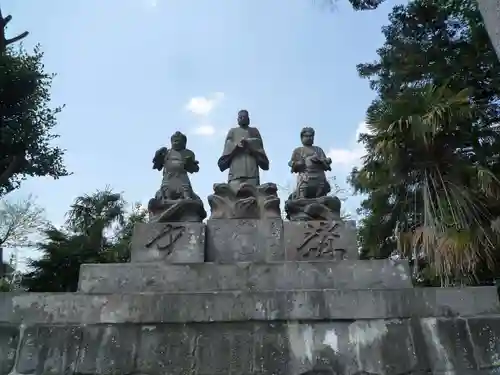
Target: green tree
{"points": [[26, 119], [356, 4], [98, 230], [443, 204], [437, 79]]}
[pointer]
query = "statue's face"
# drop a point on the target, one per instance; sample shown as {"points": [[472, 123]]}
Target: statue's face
{"points": [[307, 139], [243, 118], [178, 143]]}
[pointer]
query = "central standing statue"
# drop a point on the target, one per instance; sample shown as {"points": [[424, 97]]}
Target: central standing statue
{"points": [[243, 153], [243, 196]]}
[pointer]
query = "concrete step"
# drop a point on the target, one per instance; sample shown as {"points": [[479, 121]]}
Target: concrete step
{"points": [[244, 276], [144, 308]]}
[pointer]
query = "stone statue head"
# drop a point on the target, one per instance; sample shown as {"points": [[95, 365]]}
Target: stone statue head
{"points": [[307, 136], [178, 141], [243, 118]]}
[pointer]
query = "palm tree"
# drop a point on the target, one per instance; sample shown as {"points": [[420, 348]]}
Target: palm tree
{"points": [[85, 239], [441, 188], [93, 214]]}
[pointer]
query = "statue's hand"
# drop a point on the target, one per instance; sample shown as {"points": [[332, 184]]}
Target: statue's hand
{"points": [[328, 161], [299, 166], [242, 143], [315, 159]]}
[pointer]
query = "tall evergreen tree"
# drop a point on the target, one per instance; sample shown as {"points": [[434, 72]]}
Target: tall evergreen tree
{"points": [[26, 119], [437, 61]]}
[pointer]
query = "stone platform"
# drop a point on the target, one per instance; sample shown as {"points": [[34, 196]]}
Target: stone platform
{"points": [[211, 300], [243, 276]]}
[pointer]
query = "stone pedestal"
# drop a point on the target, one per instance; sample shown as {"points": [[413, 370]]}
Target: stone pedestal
{"points": [[250, 311], [169, 243], [310, 240], [245, 240], [244, 276]]}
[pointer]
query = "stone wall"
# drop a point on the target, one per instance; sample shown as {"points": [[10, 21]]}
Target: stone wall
{"points": [[382, 346], [385, 331], [306, 307]]}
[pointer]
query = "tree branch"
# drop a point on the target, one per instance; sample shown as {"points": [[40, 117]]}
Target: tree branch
{"points": [[16, 38], [4, 42]]}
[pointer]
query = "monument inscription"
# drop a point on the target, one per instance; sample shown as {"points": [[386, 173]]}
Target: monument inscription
{"points": [[320, 241], [329, 240], [168, 242], [167, 237]]}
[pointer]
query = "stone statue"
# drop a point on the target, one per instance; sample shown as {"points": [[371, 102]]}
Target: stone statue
{"points": [[310, 200], [243, 153], [176, 200], [243, 196], [310, 162]]}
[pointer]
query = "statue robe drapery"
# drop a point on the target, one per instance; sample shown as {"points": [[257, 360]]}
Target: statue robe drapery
{"points": [[243, 164]]}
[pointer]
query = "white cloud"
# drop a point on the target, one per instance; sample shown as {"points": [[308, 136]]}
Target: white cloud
{"points": [[345, 157], [202, 105], [204, 130], [351, 156]]}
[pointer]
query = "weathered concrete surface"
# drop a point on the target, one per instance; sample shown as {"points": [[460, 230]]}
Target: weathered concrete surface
{"points": [[168, 242], [282, 318], [309, 240], [490, 10], [145, 308], [244, 276], [378, 347], [245, 240]]}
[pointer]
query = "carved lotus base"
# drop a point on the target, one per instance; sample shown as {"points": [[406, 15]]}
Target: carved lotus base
{"points": [[189, 210], [246, 202], [309, 209]]}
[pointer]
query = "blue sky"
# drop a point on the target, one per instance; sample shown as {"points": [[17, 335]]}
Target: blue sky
{"points": [[132, 72]]}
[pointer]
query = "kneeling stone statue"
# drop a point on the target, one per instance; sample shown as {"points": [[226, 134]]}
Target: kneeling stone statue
{"points": [[310, 200], [176, 201]]}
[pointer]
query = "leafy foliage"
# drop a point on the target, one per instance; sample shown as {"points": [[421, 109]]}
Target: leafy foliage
{"points": [[430, 173], [356, 4], [98, 230], [26, 120]]}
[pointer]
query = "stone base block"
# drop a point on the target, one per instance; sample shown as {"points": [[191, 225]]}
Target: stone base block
{"points": [[245, 240], [168, 242], [212, 277], [317, 305], [309, 240], [380, 347]]}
